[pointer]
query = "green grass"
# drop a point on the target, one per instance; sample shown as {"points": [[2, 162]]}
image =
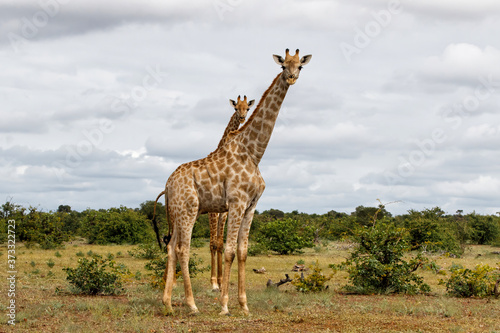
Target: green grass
{"points": [[139, 309]]}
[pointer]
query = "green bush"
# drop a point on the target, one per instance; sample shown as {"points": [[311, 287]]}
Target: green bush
{"points": [[43, 228], [430, 232], [339, 226], [116, 225], [285, 236], [377, 265], [365, 216], [146, 251], [197, 243], [50, 263], [201, 228], [256, 249], [465, 282], [95, 276], [485, 229], [3, 231], [158, 264], [313, 282]]}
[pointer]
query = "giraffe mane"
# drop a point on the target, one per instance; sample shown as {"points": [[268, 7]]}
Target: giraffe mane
{"points": [[250, 119]]}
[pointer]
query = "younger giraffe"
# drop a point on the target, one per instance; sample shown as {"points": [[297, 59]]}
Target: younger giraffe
{"points": [[217, 221], [227, 180]]}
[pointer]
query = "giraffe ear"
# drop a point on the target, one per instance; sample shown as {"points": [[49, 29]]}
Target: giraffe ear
{"points": [[278, 59], [305, 59], [232, 103], [251, 102]]}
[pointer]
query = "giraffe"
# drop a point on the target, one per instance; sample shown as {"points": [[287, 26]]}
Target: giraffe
{"points": [[227, 180], [216, 220]]}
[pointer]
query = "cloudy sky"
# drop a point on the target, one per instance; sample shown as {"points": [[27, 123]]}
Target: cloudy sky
{"points": [[101, 101]]}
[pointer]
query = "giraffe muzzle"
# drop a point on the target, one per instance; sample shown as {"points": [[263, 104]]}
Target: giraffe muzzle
{"points": [[291, 79]]}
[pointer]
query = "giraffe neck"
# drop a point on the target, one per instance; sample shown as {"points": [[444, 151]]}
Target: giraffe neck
{"points": [[233, 125], [256, 132]]}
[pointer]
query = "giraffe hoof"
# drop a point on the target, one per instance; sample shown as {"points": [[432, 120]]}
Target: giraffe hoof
{"points": [[224, 313], [169, 312], [194, 313], [216, 290]]}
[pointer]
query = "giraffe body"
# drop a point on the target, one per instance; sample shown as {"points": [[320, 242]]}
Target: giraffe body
{"points": [[227, 180]]}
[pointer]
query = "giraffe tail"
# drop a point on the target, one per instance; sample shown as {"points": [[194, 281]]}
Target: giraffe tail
{"points": [[155, 224], [166, 239]]}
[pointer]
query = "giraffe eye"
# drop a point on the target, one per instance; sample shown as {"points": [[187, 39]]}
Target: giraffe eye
{"points": [[300, 67], [235, 109], [283, 67], [248, 109]]}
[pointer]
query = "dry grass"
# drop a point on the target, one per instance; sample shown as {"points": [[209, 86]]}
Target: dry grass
{"points": [[41, 309]]}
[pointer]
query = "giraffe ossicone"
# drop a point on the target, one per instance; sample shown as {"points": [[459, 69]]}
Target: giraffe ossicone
{"points": [[227, 180]]}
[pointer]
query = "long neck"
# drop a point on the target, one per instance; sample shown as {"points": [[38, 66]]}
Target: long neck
{"points": [[233, 125], [257, 131]]}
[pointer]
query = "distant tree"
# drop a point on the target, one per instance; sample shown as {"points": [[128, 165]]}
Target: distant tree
{"points": [[9, 209], [285, 236], [64, 209], [72, 222], [430, 230], [336, 214], [147, 208], [43, 228], [433, 213], [485, 229], [275, 213], [116, 225], [366, 216], [201, 228]]}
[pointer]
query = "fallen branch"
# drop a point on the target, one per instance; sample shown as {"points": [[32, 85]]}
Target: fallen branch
{"points": [[299, 268], [277, 284], [260, 271]]}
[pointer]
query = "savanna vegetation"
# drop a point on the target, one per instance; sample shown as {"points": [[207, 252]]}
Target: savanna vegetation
{"points": [[101, 270]]}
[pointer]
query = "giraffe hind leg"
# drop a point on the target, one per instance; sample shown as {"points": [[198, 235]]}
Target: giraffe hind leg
{"points": [[220, 245], [235, 216], [170, 275], [242, 256], [213, 219], [182, 253]]}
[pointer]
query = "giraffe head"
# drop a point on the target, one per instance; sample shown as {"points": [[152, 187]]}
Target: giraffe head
{"points": [[291, 65], [241, 107]]}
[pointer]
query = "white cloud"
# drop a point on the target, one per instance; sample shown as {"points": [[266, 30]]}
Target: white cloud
{"points": [[463, 62], [485, 187], [341, 127]]}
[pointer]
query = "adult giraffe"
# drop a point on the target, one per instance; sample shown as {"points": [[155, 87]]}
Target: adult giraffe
{"points": [[227, 180]]}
